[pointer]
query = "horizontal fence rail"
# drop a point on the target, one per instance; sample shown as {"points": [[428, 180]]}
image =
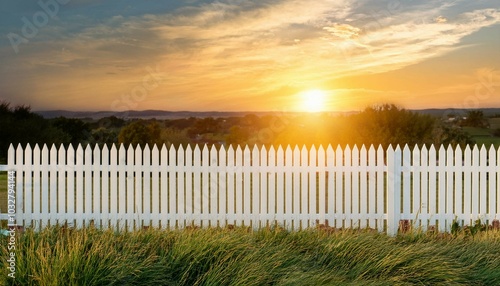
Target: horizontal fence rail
{"points": [[295, 188]]}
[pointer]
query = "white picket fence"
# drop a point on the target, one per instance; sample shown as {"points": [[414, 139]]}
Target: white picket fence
{"points": [[295, 188]]}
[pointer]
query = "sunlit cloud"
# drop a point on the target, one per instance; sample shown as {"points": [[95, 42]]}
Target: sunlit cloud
{"points": [[238, 55]]}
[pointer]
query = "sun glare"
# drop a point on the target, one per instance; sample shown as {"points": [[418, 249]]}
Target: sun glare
{"points": [[313, 101]]}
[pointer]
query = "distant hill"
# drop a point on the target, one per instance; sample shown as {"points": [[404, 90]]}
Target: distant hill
{"points": [[144, 114], [161, 114], [449, 111]]}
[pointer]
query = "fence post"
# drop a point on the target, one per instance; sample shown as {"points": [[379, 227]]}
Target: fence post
{"points": [[393, 190]]}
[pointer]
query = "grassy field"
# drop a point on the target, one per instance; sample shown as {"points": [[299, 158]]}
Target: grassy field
{"points": [[58, 256], [483, 136], [494, 123]]}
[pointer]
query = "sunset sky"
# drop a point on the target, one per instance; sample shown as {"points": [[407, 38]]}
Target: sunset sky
{"points": [[239, 55]]}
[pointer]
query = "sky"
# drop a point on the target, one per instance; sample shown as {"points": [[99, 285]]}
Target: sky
{"points": [[241, 55]]}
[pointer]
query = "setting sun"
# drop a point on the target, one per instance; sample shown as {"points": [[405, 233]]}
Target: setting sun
{"points": [[313, 101]]}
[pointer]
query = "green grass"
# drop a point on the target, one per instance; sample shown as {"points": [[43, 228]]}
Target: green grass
{"points": [[494, 123], [57, 256], [483, 136]]}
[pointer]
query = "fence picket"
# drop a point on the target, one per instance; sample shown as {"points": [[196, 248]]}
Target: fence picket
{"points": [[492, 195], [173, 218], [294, 191], [432, 186], [181, 189], [105, 165], [288, 188], [97, 188], [138, 190], [155, 188], [321, 185], [113, 186], [482, 191], [458, 188], [441, 206], [381, 201], [475, 183], [222, 184], [263, 210], [25, 203]]}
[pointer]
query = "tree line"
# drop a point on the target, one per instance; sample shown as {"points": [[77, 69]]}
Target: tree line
{"points": [[377, 125]]}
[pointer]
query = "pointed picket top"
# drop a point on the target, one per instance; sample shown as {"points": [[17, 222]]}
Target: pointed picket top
{"points": [[196, 155], [214, 154], [138, 155], [482, 155], [450, 156], [155, 153], [45, 155], [52, 155], [320, 147], [246, 149], [188, 156], [339, 156], [130, 155], [492, 156], [441, 148], [230, 148], [380, 154], [313, 148], [28, 154], [279, 149], [97, 151], [61, 154], [204, 148], [475, 155], [475, 149], [79, 148], [329, 147], [356, 149], [164, 155], [172, 152], [171, 149], [19, 155], [432, 148], [339, 149], [222, 158], [406, 148], [147, 149], [105, 155], [330, 155], [296, 156], [11, 155], [441, 155], [238, 149], [347, 148], [363, 153], [312, 156], [105, 148]]}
